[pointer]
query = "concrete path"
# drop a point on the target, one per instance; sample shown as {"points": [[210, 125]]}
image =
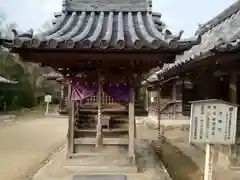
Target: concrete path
{"points": [[25, 145]]}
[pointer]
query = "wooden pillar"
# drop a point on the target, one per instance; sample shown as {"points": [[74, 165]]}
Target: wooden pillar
{"points": [[71, 117], [229, 155], [233, 88], [146, 100], [99, 136], [234, 149], [174, 98], [132, 124], [61, 97], [160, 127]]}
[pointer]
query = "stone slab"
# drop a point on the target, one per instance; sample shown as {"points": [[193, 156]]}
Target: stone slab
{"points": [[100, 177]]}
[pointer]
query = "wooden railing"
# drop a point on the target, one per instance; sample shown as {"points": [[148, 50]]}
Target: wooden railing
{"points": [[105, 99], [153, 109], [165, 105]]}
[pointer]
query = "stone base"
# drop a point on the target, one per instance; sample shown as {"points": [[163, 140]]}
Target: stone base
{"points": [[100, 177], [147, 165], [109, 159]]}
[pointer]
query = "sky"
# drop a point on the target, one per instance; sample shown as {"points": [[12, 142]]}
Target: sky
{"points": [[177, 14]]}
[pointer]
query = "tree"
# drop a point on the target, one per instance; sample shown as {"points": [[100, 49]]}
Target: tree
{"points": [[29, 75]]}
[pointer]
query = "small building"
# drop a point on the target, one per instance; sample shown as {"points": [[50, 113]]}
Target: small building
{"points": [[102, 47], [209, 70], [63, 90]]}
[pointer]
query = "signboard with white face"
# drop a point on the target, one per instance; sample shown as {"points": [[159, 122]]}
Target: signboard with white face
{"points": [[48, 98], [213, 122]]}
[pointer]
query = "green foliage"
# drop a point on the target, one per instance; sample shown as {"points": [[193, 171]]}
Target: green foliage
{"points": [[21, 94], [30, 88]]}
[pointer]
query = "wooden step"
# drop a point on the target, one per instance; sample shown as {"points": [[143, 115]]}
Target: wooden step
{"points": [[103, 130], [106, 141], [93, 125]]}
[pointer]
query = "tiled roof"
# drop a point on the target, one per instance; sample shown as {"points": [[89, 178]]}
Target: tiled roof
{"points": [[231, 46], [220, 35], [6, 81], [102, 30], [107, 5], [219, 18]]}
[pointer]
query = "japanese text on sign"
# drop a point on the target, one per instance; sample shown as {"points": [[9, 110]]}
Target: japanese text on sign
{"points": [[213, 121]]}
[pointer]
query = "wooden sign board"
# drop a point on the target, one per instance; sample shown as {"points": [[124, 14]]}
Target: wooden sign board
{"points": [[213, 122], [48, 98]]}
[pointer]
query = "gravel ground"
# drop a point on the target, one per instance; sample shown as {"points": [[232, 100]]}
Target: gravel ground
{"points": [[24, 145]]}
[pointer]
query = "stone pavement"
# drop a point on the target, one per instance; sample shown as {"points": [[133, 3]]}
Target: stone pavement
{"points": [[25, 145]]}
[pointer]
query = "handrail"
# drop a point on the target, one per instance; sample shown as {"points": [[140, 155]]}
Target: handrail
{"points": [[160, 129], [165, 105]]}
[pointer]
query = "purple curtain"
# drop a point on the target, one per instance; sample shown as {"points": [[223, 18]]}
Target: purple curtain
{"points": [[119, 92], [78, 91]]}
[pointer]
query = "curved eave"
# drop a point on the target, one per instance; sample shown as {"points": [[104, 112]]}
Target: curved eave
{"points": [[175, 68], [103, 30]]}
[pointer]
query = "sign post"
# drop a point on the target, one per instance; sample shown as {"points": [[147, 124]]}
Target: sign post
{"points": [[208, 171], [212, 122], [47, 99]]}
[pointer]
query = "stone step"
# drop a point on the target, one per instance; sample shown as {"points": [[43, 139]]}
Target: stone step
{"points": [[101, 169]]}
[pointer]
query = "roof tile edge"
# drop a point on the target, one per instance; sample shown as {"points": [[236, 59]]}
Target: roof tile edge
{"points": [[219, 18]]}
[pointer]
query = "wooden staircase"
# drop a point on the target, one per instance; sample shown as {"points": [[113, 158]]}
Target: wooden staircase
{"points": [[117, 125]]}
